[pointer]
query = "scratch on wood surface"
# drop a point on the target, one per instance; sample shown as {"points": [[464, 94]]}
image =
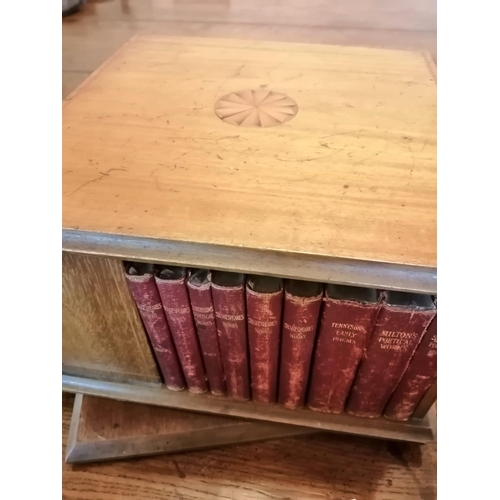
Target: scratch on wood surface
{"points": [[302, 160], [230, 137], [210, 463], [103, 174], [238, 72], [367, 158], [293, 77], [99, 436], [93, 432], [183, 154], [347, 132], [182, 475], [304, 178], [220, 86]]}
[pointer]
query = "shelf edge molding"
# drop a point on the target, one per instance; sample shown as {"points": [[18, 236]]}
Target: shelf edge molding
{"points": [[418, 431], [251, 260]]}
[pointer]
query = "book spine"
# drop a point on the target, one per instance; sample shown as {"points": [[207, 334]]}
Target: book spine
{"points": [[204, 318], [145, 294], [344, 330], [300, 318], [230, 317], [264, 332], [394, 339], [421, 373], [175, 300]]}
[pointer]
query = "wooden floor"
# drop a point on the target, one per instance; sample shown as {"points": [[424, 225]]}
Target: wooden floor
{"points": [[329, 467], [102, 26]]}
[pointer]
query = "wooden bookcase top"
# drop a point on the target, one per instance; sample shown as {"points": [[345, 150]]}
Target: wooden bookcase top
{"points": [[343, 191]]}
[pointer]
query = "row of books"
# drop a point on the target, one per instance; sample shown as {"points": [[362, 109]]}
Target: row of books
{"points": [[333, 348]]}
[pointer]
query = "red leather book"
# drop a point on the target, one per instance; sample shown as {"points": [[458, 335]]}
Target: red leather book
{"points": [[421, 373], [142, 286], [264, 305], [400, 325], [200, 295], [171, 283], [300, 319], [228, 294], [346, 323]]}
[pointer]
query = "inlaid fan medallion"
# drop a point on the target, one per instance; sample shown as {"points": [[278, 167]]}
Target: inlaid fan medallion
{"points": [[256, 108]]}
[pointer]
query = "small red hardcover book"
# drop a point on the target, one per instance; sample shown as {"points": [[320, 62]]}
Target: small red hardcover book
{"points": [[419, 376], [171, 283], [264, 305], [300, 319], [346, 323], [400, 325], [199, 288], [228, 293], [142, 286]]}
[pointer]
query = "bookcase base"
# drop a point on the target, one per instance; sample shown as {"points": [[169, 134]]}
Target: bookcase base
{"points": [[106, 429], [414, 430]]}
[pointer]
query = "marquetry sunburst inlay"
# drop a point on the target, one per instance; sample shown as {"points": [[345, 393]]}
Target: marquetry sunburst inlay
{"points": [[256, 108]]}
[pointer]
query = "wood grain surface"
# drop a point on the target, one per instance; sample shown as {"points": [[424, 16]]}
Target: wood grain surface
{"points": [[353, 175], [329, 467], [105, 429], [102, 334]]}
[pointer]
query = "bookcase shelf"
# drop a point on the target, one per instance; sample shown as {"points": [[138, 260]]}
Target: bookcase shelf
{"points": [[414, 430]]}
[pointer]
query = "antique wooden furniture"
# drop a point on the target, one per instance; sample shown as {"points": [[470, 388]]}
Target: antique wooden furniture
{"points": [[342, 192]]}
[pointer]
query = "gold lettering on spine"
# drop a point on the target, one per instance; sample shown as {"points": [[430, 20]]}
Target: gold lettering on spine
{"points": [[262, 328], [148, 310], [265, 324], [348, 326], [203, 315], [203, 310], [230, 317], [204, 322], [160, 349], [346, 332], [299, 329], [396, 341], [177, 310], [203, 319], [401, 335], [298, 332], [344, 340], [148, 307]]}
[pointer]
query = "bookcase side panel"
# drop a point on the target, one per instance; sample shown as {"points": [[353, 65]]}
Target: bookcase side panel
{"points": [[102, 334]]}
